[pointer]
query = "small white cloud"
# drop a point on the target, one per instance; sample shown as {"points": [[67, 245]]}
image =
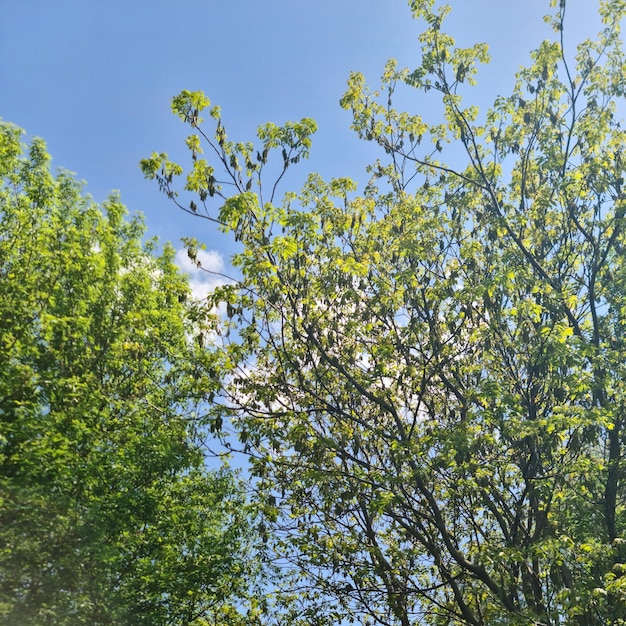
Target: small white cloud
{"points": [[203, 279]]}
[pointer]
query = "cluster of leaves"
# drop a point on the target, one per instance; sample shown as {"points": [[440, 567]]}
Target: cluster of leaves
{"points": [[429, 378], [107, 512]]}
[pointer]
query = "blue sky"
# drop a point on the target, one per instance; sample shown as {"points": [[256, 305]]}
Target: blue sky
{"points": [[95, 78]]}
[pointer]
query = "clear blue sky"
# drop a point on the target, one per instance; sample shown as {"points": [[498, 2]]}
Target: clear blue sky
{"points": [[94, 78]]}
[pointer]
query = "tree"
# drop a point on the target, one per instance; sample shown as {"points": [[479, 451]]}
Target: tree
{"points": [[429, 377], [107, 512]]}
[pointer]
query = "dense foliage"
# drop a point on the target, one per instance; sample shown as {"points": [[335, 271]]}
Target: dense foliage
{"points": [[107, 513], [429, 377]]}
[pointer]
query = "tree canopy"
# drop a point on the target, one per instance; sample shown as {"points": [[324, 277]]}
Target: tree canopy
{"points": [[108, 514], [428, 375]]}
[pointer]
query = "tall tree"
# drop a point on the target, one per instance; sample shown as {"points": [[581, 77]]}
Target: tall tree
{"points": [[429, 377], [107, 513]]}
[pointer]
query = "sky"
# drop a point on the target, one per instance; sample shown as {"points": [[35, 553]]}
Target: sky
{"points": [[95, 79]]}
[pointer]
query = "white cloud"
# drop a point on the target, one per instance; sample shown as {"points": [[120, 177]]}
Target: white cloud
{"points": [[203, 279]]}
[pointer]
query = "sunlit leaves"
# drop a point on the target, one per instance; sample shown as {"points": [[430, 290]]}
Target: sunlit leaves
{"points": [[429, 377], [292, 135], [188, 104], [107, 512]]}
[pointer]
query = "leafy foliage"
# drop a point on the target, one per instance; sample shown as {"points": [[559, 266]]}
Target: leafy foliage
{"points": [[429, 377], [107, 513]]}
